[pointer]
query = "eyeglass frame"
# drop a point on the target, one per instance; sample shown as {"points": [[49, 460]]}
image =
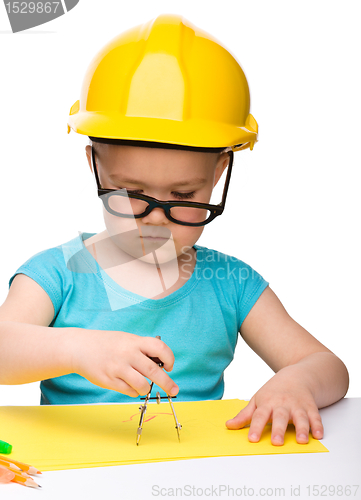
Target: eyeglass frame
{"points": [[215, 210]]}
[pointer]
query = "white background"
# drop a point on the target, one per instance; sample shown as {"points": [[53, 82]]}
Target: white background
{"points": [[293, 207]]}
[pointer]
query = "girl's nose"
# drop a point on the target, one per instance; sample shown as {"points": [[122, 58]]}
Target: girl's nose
{"points": [[156, 216]]}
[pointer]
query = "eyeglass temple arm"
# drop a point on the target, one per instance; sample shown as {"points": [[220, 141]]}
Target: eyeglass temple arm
{"points": [[94, 167], [228, 178]]}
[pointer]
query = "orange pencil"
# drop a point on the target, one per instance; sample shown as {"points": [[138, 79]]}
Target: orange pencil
{"points": [[23, 474], [24, 467], [7, 463], [13, 468], [26, 481]]}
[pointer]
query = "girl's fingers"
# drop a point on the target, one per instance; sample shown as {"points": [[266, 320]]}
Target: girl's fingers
{"points": [[243, 418], [260, 418], [156, 348], [303, 413], [116, 384], [280, 419], [316, 424], [302, 426], [156, 374], [6, 475]]}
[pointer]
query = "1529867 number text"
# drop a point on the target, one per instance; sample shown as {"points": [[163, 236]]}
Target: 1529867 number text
{"points": [[32, 7]]}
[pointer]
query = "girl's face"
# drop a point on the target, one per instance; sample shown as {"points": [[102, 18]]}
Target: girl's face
{"points": [[164, 174]]}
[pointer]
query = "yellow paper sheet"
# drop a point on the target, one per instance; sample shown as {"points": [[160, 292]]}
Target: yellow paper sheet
{"points": [[72, 437]]}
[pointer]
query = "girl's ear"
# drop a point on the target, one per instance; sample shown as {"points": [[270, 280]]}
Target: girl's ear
{"points": [[88, 152], [222, 164]]}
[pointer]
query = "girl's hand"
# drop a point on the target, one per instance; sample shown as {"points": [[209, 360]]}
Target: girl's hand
{"points": [[284, 399], [120, 361], [6, 475]]}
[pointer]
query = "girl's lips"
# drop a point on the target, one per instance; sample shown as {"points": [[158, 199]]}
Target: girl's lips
{"points": [[154, 238]]}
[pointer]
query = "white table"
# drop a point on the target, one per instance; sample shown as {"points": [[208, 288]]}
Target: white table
{"points": [[269, 476]]}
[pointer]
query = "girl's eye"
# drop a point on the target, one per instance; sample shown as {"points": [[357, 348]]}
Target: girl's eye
{"points": [[132, 192], [184, 196], [179, 196]]}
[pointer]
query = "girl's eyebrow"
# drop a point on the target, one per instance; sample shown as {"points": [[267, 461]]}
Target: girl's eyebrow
{"points": [[197, 181], [194, 182]]}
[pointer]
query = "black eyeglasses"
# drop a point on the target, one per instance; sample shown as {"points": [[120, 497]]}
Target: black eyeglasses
{"points": [[121, 203]]}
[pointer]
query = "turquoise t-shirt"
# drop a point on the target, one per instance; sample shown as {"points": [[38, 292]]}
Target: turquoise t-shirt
{"points": [[200, 321]]}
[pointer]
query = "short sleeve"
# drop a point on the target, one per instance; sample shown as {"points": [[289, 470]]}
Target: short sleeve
{"points": [[45, 268], [252, 284]]}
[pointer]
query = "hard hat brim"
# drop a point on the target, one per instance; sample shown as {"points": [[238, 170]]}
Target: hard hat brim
{"points": [[194, 133]]}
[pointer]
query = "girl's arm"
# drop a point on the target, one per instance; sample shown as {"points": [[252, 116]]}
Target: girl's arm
{"points": [[308, 375], [30, 350]]}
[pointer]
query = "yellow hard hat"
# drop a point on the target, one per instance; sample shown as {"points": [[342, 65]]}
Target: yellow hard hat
{"points": [[166, 81]]}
